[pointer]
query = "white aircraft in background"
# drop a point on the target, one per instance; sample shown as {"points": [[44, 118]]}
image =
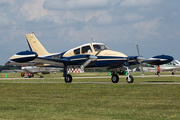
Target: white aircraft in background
{"points": [[29, 71], [172, 66]]}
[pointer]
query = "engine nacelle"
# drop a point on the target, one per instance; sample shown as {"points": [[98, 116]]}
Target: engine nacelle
{"points": [[24, 56]]}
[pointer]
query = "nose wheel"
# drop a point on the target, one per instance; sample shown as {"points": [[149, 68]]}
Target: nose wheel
{"points": [[130, 79]]}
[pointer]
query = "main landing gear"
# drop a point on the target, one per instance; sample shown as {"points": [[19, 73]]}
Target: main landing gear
{"points": [[115, 78], [68, 78]]}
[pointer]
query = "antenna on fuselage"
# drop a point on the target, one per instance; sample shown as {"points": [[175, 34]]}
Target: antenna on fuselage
{"points": [[92, 39]]}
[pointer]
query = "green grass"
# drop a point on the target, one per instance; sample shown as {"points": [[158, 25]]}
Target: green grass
{"points": [[54, 101], [89, 101]]}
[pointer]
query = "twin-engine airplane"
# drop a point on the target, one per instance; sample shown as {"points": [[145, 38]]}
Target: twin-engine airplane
{"points": [[91, 55]]}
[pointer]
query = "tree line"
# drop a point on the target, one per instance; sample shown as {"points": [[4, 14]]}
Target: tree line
{"points": [[9, 67]]}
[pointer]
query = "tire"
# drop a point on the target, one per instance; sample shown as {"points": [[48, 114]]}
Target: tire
{"points": [[130, 80], [172, 73], [115, 78], [68, 79], [41, 76]]}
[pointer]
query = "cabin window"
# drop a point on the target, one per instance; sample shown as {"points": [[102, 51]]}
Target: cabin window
{"points": [[86, 49], [77, 51], [99, 47]]}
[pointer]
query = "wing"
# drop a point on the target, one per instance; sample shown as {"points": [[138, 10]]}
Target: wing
{"points": [[51, 61], [19, 71]]}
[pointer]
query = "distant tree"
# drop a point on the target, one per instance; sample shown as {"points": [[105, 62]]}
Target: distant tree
{"points": [[9, 67]]}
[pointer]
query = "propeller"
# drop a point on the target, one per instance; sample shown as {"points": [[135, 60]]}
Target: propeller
{"points": [[140, 59], [90, 58]]}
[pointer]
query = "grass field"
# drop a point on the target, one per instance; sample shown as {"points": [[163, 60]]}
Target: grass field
{"points": [[53, 101]]}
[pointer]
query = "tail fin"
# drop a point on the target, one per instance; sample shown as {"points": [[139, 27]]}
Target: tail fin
{"points": [[35, 45]]}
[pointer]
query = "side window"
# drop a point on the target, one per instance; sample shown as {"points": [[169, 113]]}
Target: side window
{"points": [[86, 49], [77, 51]]}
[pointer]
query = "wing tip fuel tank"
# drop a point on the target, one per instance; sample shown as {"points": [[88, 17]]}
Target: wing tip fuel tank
{"points": [[24, 56]]}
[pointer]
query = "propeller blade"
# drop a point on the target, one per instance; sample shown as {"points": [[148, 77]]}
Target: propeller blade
{"points": [[91, 58], [98, 52], [142, 71], [137, 49], [85, 64], [140, 59]]}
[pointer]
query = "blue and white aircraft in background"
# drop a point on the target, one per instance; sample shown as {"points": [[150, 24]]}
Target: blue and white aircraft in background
{"points": [[91, 55]]}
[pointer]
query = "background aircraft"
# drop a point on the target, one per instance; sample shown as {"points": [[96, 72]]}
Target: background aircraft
{"points": [[172, 66], [91, 55], [29, 71]]}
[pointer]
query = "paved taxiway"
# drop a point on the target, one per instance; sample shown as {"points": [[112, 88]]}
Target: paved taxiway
{"points": [[158, 82]]}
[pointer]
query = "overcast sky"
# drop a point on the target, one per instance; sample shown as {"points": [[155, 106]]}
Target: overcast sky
{"points": [[64, 24]]}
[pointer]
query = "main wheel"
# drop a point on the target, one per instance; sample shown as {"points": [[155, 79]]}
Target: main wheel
{"points": [[41, 76], [68, 79], [115, 78], [130, 79]]}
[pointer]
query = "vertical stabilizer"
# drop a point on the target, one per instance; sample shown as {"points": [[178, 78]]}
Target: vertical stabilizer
{"points": [[35, 45]]}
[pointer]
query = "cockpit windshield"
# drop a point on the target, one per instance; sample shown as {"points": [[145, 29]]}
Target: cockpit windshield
{"points": [[99, 47]]}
